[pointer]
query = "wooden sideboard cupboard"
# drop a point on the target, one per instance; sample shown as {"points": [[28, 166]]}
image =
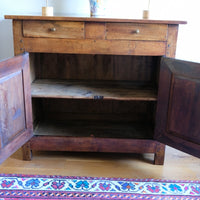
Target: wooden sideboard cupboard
{"points": [[97, 84]]}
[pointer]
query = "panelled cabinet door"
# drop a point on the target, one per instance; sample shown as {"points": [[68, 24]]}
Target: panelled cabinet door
{"points": [[178, 108], [15, 105]]}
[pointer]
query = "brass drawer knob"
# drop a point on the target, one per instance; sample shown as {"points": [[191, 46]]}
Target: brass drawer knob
{"points": [[52, 29]]}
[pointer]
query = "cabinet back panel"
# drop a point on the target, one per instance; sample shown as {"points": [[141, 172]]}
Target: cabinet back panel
{"points": [[95, 118], [100, 129], [96, 67], [62, 109], [38, 111]]}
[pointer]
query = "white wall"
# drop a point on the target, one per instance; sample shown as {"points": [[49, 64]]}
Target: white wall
{"points": [[188, 41]]}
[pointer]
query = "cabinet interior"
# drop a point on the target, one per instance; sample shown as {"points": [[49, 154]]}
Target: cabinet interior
{"points": [[112, 96]]}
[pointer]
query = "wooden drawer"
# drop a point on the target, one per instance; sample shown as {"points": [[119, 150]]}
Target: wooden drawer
{"points": [[53, 29], [132, 31]]}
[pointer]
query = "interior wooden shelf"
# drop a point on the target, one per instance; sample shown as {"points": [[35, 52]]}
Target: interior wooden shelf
{"points": [[113, 90], [101, 129]]}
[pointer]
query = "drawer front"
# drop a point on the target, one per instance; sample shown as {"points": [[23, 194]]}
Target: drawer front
{"points": [[131, 31], [53, 29]]}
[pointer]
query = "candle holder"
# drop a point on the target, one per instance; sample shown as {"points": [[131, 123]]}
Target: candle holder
{"points": [[47, 10], [146, 12]]}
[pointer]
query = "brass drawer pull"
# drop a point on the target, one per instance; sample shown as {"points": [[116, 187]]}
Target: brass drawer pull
{"points": [[52, 29]]}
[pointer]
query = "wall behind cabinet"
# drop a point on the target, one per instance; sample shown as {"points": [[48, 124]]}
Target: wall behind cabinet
{"points": [[188, 41]]}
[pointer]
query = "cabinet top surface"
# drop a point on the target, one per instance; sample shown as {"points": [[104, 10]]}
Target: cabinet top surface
{"points": [[91, 19]]}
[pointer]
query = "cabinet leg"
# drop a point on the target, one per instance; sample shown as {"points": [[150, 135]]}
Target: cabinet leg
{"points": [[27, 152], [160, 154]]}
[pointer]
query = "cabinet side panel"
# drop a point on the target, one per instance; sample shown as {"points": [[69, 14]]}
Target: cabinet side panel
{"points": [[18, 37], [172, 41]]}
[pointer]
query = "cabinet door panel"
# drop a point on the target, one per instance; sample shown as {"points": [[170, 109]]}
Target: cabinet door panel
{"points": [[15, 105], [178, 109]]}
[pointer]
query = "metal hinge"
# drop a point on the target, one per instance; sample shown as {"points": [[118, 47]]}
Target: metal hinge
{"points": [[98, 97]]}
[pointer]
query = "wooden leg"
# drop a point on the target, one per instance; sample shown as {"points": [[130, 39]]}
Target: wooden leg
{"points": [[160, 154], [27, 152]]}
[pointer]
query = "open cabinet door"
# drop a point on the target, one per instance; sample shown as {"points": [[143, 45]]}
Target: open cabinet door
{"points": [[178, 108], [15, 105]]}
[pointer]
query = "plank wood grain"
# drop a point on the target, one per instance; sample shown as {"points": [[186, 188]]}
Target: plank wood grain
{"points": [[46, 88], [91, 19], [89, 46]]}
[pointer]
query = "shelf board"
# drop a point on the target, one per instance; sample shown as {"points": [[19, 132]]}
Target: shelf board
{"points": [[97, 129], [113, 90]]}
